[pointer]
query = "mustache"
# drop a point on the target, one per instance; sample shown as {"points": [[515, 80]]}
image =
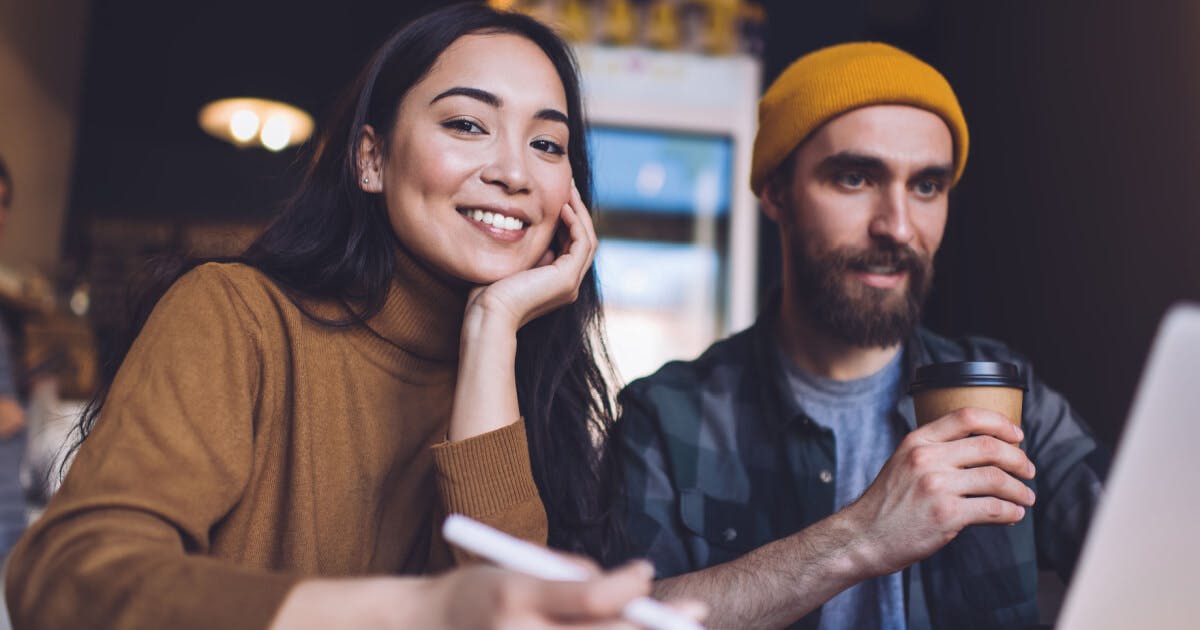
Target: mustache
{"points": [[899, 257]]}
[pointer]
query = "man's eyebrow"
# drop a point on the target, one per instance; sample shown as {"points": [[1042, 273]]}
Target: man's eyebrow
{"points": [[475, 93], [850, 160], [942, 172]]}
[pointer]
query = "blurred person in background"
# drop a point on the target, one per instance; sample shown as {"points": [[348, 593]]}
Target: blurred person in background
{"points": [[411, 337], [12, 415], [780, 477]]}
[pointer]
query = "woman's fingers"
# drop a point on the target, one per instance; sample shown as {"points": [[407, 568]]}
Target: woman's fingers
{"points": [[556, 276], [584, 216], [587, 233], [578, 255], [602, 597]]}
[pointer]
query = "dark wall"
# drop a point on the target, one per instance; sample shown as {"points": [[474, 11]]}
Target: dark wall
{"points": [[1076, 224], [151, 66]]}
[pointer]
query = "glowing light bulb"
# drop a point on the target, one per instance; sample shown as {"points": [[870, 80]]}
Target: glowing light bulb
{"points": [[244, 120], [276, 133], [243, 125]]}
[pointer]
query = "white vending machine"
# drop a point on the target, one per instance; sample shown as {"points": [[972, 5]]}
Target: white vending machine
{"points": [[671, 138]]}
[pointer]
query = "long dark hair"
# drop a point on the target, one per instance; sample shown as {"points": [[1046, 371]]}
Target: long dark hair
{"points": [[333, 241], [6, 200]]}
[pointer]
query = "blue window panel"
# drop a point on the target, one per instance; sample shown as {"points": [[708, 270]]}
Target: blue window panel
{"points": [[661, 172]]}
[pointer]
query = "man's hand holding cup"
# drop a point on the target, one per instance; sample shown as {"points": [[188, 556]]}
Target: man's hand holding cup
{"points": [[962, 466]]}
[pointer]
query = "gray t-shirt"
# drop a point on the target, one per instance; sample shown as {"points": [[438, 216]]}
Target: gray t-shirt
{"points": [[858, 412]]}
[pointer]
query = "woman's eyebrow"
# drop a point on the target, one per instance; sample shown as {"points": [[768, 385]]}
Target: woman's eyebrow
{"points": [[475, 93], [492, 100], [552, 115]]}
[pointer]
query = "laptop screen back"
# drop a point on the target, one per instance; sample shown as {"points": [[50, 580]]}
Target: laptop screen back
{"points": [[1140, 566]]}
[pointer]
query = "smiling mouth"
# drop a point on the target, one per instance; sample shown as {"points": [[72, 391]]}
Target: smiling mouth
{"points": [[495, 220], [883, 277]]}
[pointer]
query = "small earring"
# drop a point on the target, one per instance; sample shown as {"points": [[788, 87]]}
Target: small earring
{"points": [[366, 180]]}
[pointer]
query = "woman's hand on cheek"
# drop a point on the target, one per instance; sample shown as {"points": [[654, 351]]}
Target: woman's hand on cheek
{"points": [[485, 397], [552, 283]]}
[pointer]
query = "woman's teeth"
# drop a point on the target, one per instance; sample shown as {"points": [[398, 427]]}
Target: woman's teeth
{"points": [[495, 219]]}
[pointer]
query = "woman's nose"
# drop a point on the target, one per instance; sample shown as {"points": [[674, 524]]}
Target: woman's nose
{"points": [[507, 168]]}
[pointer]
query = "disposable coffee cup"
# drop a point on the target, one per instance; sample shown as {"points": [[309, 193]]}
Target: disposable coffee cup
{"points": [[941, 388]]}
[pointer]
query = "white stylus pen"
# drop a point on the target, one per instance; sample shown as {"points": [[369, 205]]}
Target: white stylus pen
{"points": [[517, 555]]}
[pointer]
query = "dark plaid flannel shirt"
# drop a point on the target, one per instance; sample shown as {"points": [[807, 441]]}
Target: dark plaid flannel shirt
{"points": [[719, 459]]}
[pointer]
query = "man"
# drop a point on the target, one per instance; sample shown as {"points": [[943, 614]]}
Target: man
{"points": [[780, 476]]}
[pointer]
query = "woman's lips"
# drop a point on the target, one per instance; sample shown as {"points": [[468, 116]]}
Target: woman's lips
{"points": [[499, 226]]}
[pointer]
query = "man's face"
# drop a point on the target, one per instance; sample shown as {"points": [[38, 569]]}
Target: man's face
{"points": [[861, 211]]}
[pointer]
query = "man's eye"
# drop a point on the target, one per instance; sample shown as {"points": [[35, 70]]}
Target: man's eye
{"points": [[463, 125], [928, 188], [852, 180], [553, 148]]}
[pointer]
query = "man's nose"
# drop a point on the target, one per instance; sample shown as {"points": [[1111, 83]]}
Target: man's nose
{"points": [[892, 219]]}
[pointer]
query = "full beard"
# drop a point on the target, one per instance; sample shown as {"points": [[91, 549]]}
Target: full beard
{"points": [[858, 314]]}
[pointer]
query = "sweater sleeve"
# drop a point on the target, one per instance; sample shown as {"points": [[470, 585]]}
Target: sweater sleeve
{"points": [[124, 543], [488, 478]]}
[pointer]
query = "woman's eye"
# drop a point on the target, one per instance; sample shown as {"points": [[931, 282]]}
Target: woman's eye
{"points": [[463, 125], [548, 146]]}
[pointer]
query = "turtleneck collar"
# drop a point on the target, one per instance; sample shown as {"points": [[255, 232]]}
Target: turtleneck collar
{"points": [[423, 312]]}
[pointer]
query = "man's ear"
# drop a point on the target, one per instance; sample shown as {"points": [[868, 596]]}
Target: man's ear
{"points": [[370, 162], [774, 196]]}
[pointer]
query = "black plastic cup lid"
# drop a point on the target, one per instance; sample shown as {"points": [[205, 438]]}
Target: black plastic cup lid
{"points": [[966, 374]]}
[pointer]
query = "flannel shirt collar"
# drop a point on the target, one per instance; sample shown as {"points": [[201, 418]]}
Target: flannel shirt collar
{"points": [[781, 412]]}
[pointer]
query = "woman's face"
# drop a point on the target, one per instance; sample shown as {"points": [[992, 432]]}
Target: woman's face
{"points": [[476, 173]]}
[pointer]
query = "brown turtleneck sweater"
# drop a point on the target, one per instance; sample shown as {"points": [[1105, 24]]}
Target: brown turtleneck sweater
{"points": [[244, 447]]}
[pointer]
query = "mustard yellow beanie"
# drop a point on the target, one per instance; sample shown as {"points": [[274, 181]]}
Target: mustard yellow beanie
{"points": [[832, 81]]}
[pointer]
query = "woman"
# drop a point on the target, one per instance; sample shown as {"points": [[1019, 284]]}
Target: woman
{"points": [[312, 411]]}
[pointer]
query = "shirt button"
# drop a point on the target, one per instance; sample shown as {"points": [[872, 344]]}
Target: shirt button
{"points": [[825, 476], [729, 534]]}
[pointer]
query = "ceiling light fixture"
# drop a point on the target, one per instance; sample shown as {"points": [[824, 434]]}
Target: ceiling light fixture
{"points": [[244, 121]]}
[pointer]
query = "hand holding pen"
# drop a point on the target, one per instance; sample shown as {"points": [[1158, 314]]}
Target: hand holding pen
{"points": [[520, 556]]}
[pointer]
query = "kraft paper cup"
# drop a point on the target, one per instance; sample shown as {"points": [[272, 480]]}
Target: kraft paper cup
{"points": [[941, 388]]}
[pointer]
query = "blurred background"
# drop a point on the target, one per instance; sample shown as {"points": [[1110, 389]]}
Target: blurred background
{"points": [[1073, 229]]}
